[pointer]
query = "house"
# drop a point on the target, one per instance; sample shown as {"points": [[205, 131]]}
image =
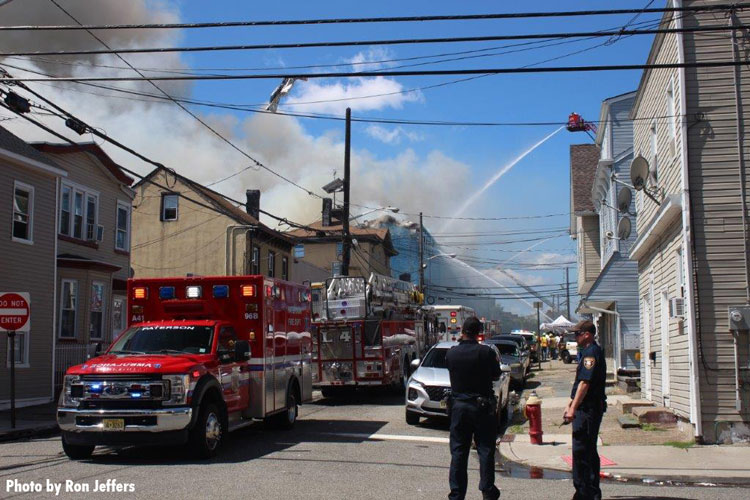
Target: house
{"points": [[691, 250], [584, 221], [612, 299], [93, 250], [29, 183], [181, 228], [371, 252]]}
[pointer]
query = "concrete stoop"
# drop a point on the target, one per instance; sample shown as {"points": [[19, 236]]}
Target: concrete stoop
{"points": [[628, 421], [654, 415], [627, 406]]}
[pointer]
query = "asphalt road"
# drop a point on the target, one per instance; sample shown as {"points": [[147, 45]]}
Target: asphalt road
{"points": [[359, 450]]}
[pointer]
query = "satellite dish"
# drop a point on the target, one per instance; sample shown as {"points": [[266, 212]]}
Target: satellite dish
{"points": [[624, 197], [623, 228], [639, 172]]}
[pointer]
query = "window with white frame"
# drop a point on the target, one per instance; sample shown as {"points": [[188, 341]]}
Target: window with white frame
{"points": [[654, 167], [256, 260], [122, 231], [606, 149], [23, 212], [271, 263], [20, 350], [96, 310], [68, 309], [672, 117], [608, 224], [169, 206], [79, 212]]}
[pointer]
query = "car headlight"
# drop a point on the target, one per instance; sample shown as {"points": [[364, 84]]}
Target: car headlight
{"points": [[179, 386], [66, 397]]}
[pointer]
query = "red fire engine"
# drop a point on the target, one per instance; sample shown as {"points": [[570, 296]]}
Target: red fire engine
{"points": [[367, 332], [201, 357]]}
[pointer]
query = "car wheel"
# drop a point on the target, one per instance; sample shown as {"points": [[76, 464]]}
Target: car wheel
{"points": [[206, 434], [412, 418], [566, 357], [77, 452]]}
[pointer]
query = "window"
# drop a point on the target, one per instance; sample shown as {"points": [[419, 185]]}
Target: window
{"points": [[654, 171], [271, 263], [672, 116], [285, 268], [20, 350], [68, 308], [119, 313], [169, 203], [256, 261], [23, 210], [79, 212], [96, 310], [122, 231]]}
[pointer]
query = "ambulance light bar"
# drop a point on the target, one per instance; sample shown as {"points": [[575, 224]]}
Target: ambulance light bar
{"points": [[193, 292], [140, 293], [221, 291], [453, 314], [166, 292]]}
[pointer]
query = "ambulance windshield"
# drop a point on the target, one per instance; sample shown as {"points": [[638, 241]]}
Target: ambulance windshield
{"points": [[169, 339]]}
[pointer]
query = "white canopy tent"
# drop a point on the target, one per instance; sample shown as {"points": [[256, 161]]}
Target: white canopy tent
{"points": [[560, 325]]}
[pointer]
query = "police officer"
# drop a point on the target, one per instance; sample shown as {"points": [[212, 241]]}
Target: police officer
{"points": [[473, 367], [585, 409]]}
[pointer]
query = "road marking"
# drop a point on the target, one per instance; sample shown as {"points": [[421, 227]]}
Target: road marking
{"points": [[390, 437]]}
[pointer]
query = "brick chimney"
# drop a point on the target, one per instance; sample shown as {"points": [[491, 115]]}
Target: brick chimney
{"points": [[252, 205]]}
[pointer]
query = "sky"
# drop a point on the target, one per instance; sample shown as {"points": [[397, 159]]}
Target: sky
{"points": [[438, 170]]}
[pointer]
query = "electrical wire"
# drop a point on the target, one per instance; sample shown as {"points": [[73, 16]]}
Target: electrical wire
{"points": [[392, 19]]}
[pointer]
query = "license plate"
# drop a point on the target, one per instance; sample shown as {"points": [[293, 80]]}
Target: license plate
{"points": [[443, 403], [113, 424]]}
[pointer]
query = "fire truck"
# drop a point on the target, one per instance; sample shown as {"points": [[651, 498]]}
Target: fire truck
{"points": [[450, 320], [201, 357], [367, 332]]}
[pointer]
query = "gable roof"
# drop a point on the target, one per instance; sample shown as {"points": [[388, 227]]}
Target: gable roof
{"points": [[14, 144], [322, 233], [584, 158], [222, 204], [86, 147]]}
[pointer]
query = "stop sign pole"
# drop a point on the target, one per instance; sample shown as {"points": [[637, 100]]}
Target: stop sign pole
{"points": [[14, 314]]}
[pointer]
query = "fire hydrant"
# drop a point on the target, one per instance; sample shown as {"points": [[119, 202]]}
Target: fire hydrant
{"points": [[533, 412]]}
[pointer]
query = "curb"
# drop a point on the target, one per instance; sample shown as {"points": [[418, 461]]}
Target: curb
{"points": [[30, 432]]}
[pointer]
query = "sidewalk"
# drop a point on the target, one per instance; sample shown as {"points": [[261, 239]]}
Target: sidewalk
{"points": [[31, 421], [652, 454]]}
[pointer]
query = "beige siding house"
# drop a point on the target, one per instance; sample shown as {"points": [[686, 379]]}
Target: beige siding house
{"points": [[181, 227], [584, 221], [93, 250], [29, 184], [691, 245]]}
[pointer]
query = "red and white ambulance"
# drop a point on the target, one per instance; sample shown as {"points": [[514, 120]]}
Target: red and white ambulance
{"points": [[202, 356]]}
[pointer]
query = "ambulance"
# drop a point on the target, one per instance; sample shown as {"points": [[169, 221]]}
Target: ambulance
{"points": [[450, 319], [201, 357]]}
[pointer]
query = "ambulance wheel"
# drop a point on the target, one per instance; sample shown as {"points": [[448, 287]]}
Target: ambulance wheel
{"points": [[77, 452], [288, 417], [205, 436], [412, 418]]}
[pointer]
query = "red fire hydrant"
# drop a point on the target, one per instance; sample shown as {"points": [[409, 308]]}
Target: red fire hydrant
{"points": [[533, 412]]}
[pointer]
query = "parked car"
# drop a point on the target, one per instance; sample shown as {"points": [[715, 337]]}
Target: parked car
{"points": [[530, 338], [511, 355], [523, 348], [568, 348], [429, 386]]}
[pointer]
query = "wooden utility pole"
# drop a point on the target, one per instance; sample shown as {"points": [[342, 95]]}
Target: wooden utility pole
{"points": [[421, 254], [567, 292], [347, 240]]}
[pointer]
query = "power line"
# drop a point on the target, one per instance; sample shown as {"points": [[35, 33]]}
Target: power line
{"points": [[361, 74], [296, 22], [359, 43]]}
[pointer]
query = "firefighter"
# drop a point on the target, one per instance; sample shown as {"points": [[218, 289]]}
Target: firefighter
{"points": [[587, 405], [472, 367]]}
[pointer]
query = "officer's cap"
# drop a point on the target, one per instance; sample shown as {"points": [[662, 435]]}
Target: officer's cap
{"points": [[584, 326]]}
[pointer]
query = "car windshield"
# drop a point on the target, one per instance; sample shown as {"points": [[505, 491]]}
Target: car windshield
{"points": [[435, 358], [170, 339], [507, 349]]}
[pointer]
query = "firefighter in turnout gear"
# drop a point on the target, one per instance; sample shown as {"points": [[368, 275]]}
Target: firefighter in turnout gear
{"points": [[472, 367], [587, 405]]}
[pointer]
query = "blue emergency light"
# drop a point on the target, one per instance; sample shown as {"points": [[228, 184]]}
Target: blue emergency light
{"points": [[221, 291], [166, 292]]}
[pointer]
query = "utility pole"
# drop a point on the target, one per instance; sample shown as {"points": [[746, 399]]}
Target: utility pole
{"points": [[421, 255], [347, 240], [567, 288]]}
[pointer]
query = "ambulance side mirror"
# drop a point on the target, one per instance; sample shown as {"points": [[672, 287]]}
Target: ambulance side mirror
{"points": [[241, 350]]}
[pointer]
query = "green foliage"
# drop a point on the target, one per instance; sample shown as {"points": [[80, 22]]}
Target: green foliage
{"points": [[515, 429], [651, 428], [683, 445]]}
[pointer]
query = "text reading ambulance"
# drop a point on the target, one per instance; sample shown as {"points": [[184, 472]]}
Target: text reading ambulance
{"points": [[202, 357]]}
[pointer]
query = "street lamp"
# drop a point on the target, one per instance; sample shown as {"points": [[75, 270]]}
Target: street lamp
{"points": [[449, 255], [423, 265], [394, 210]]}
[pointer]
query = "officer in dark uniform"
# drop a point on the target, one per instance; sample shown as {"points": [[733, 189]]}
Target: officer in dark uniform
{"points": [[585, 409], [473, 367]]}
